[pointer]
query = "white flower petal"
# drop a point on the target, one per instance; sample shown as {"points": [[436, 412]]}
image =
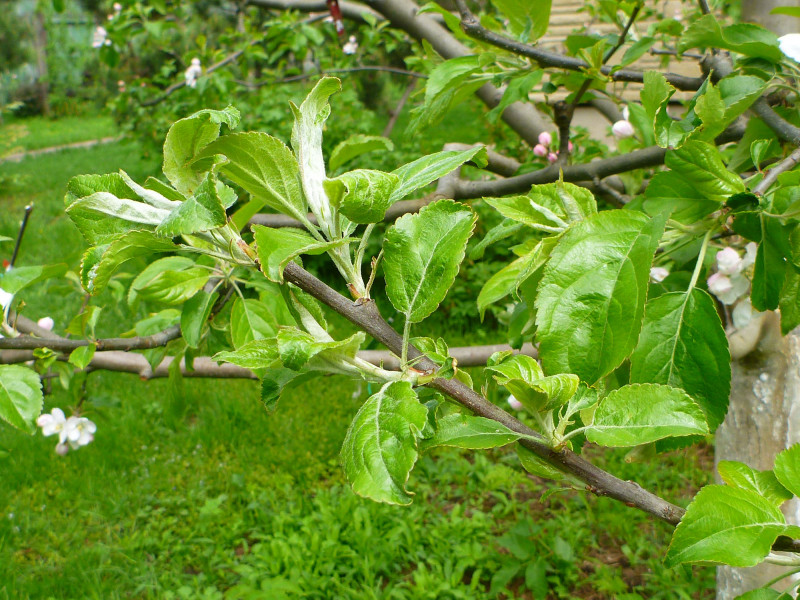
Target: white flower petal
{"points": [[658, 274], [728, 261], [790, 45]]}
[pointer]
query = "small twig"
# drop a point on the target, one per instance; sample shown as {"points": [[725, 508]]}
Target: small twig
{"points": [[787, 164], [615, 198], [22, 227], [27, 342], [387, 131], [703, 6], [303, 76], [634, 13]]}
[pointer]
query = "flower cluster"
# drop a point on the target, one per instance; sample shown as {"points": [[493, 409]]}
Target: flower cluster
{"points": [[351, 46], [542, 149], [73, 432], [730, 283]]}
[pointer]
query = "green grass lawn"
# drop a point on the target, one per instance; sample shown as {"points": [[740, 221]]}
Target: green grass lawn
{"points": [[198, 493], [41, 132]]}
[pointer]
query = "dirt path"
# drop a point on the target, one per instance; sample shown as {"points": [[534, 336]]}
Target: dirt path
{"points": [[18, 156]]}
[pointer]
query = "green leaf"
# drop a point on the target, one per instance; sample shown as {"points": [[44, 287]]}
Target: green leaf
{"points": [[297, 348], [362, 195], [743, 38], [82, 356], [523, 14], [710, 108], [256, 354], [21, 396], [186, 138], [683, 344], [171, 280], [792, 11], [591, 298], [425, 170], [764, 593], [517, 90], [380, 447], [727, 525], [636, 50], [101, 262], [422, 254], [655, 95], [787, 469], [738, 93], [154, 197], [356, 145], [251, 320], [548, 207], [538, 466], [700, 164], [476, 433], [194, 315], [309, 120], [202, 211], [277, 247], [280, 380], [509, 278], [789, 301], [638, 414], [264, 167], [674, 194], [763, 482], [102, 217], [17, 279], [770, 267], [522, 376]]}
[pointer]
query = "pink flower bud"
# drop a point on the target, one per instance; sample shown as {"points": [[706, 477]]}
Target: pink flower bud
{"points": [[571, 147], [545, 139], [622, 129], [46, 323], [62, 449], [552, 157], [539, 150], [514, 403]]}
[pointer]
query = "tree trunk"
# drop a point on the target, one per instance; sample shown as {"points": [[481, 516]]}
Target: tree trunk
{"points": [[757, 11], [763, 419], [40, 45]]}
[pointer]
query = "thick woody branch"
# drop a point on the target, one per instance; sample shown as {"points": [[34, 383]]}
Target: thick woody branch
{"points": [[367, 317], [787, 164], [352, 11], [472, 27], [27, 342]]}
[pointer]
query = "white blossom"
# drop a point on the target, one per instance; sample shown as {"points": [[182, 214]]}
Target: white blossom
{"points": [[73, 432], [750, 251], [728, 261], [626, 113], [790, 45], [350, 46], [622, 129], [46, 323], [514, 403], [117, 7], [193, 72], [5, 299], [728, 289], [658, 274], [100, 37], [742, 313]]}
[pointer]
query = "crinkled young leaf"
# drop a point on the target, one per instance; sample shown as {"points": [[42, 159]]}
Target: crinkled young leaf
{"points": [[277, 247], [153, 197], [257, 354], [362, 195], [638, 414], [265, 168], [101, 262], [425, 170], [296, 348], [380, 447], [763, 482], [356, 145], [422, 255], [165, 190], [700, 164], [17, 279], [727, 525], [592, 294], [82, 186], [202, 211], [683, 344], [251, 320], [20, 396], [171, 280], [309, 119], [787, 469], [744, 38], [194, 316], [101, 217], [464, 431], [82, 355], [184, 141]]}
